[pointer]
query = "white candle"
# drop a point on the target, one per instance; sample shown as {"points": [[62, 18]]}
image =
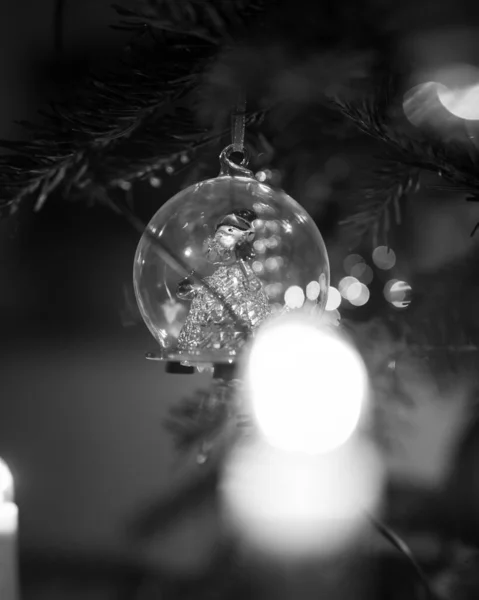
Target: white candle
{"points": [[303, 486], [8, 536], [293, 505]]}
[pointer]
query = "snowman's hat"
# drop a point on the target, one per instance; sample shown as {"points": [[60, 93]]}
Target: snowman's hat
{"points": [[241, 219]]}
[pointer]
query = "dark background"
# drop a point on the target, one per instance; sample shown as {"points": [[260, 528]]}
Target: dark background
{"points": [[80, 408]]}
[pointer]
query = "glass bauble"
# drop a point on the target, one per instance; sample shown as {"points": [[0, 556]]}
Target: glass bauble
{"points": [[219, 258]]}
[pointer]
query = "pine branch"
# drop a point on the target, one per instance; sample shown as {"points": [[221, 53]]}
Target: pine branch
{"points": [[379, 204], [407, 154], [455, 162], [195, 418], [124, 124], [162, 144], [210, 21]]}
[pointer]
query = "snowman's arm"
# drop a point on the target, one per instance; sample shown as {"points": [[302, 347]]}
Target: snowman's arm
{"points": [[187, 288]]}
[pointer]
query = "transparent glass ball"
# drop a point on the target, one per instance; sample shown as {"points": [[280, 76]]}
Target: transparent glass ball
{"points": [[218, 259]]}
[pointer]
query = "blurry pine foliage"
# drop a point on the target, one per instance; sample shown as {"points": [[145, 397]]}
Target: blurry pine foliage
{"points": [[309, 70]]}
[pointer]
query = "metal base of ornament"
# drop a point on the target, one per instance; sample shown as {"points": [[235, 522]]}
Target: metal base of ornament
{"points": [[176, 368], [192, 358], [223, 372]]}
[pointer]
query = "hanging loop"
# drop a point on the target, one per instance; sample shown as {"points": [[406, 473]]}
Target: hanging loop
{"points": [[228, 167]]}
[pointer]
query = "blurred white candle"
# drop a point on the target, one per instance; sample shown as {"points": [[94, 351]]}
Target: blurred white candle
{"points": [[305, 385], [293, 505], [8, 536], [303, 486]]}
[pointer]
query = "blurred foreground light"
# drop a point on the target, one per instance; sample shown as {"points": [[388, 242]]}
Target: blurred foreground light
{"points": [[306, 385], [289, 505], [462, 103], [331, 318], [421, 103], [334, 299], [398, 293], [384, 258], [458, 90], [6, 483]]}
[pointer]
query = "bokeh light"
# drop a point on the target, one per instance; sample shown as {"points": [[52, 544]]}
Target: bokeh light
{"points": [[350, 288], [274, 290], [306, 385], [398, 293], [313, 289], [6, 483], [350, 261], [273, 226], [258, 267], [334, 299], [345, 284], [362, 272], [155, 182], [294, 297], [360, 295], [461, 102], [384, 258], [274, 241], [259, 246], [272, 263], [261, 176]]}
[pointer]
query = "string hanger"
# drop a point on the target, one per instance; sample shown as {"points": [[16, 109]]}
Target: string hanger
{"points": [[238, 122]]}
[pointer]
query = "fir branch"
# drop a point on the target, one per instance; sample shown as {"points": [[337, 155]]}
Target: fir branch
{"points": [[195, 418], [456, 162], [153, 148], [380, 203], [406, 156], [133, 121], [211, 21]]}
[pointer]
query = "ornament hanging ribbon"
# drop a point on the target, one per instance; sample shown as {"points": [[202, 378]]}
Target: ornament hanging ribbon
{"points": [[238, 123]]}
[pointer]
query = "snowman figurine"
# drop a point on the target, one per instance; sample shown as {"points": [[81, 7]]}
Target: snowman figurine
{"points": [[224, 320]]}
